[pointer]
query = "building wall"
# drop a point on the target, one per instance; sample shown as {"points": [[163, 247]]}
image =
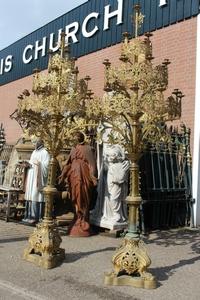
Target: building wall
{"points": [[8, 104], [176, 42]]}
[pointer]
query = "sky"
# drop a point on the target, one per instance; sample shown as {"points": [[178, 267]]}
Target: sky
{"points": [[20, 17]]}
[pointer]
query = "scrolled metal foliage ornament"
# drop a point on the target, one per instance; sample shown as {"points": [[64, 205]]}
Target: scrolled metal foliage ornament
{"points": [[54, 111], [135, 107]]}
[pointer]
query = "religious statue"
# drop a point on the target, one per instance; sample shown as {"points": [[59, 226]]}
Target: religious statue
{"points": [[80, 173], [110, 210], [35, 182]]}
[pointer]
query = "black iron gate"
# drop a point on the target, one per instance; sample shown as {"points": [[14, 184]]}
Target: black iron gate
{"points": [[166, 182]]}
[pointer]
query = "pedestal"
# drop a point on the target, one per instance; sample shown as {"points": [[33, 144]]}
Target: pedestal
{"points": [[130, 264], [43, 249]]}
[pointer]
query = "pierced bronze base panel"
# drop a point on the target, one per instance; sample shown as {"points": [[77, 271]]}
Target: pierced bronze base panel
{"points": [[130, 262], [138, 282], [43, 248], [45, 262]]}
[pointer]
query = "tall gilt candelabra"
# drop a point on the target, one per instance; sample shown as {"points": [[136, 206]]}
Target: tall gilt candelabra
{"points": [[135, 107], [54, 112]]}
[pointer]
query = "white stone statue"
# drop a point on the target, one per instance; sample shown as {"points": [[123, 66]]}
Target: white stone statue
{"points": [[36, 180], [110, 210]]}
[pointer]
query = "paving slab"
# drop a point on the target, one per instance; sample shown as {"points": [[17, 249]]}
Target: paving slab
{"points": [[175, 256]]}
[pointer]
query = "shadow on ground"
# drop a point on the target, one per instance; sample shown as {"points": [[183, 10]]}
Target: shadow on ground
{"points": [[74, 256], [163, 273], [176, 237], [14, 239]]}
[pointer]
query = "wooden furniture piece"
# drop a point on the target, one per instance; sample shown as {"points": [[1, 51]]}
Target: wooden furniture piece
{"points": [[10, 195]]}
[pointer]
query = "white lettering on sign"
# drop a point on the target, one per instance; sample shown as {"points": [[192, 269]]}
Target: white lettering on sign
{"points": [[40, 46], [27, 59], [85, 22], [71, 33], [163, 2], [52, 44], [6, 64], [108, 14], [1, 66]]}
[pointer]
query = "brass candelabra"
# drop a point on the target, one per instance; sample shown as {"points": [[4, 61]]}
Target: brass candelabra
{"points": [[136, 109], [54, 111]]}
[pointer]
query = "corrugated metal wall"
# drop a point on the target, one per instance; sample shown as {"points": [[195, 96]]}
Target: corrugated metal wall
{"points": [[155, 18]]}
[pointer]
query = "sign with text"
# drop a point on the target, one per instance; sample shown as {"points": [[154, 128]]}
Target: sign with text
{"points": [[92, 26]]}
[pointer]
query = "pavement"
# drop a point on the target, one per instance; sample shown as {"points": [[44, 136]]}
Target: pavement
{"points": [[175, 256]]}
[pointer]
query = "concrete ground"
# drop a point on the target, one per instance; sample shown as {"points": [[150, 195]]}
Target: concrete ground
{"points": [[175, 256]]}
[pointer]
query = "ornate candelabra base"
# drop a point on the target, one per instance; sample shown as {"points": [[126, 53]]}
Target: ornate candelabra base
{"points": [[43, 249], [130, 264]]}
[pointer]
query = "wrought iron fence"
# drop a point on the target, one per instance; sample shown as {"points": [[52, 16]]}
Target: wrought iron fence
{"points": [[166, 181]]}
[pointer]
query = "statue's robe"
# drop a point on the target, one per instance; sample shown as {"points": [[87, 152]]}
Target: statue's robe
{"points": [[35, 182], [81, 172]]}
